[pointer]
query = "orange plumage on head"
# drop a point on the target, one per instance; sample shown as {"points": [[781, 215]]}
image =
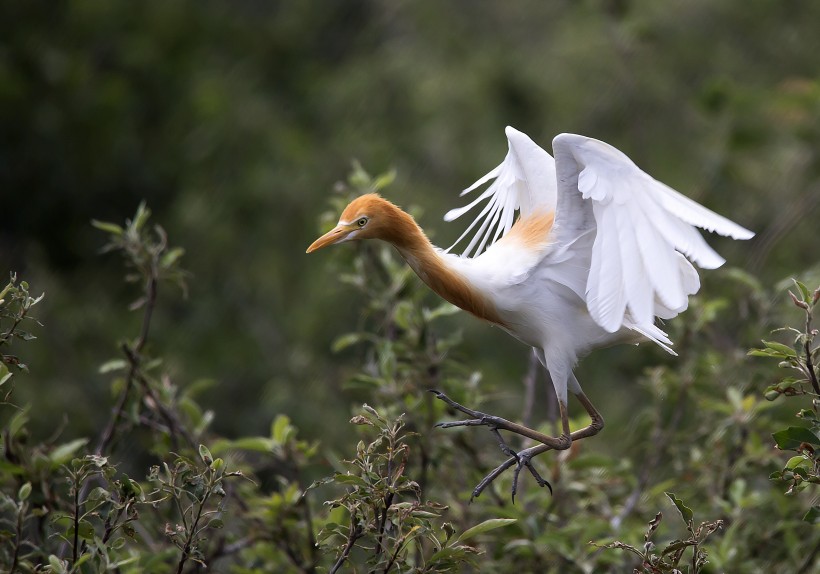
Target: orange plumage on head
{"points": [[386, 220]]}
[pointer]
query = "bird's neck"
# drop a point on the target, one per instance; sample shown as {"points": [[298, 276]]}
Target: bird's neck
{"points": [[435, 270]]}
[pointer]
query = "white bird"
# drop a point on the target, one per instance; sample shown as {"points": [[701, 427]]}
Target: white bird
{"points": [[568, 255]]}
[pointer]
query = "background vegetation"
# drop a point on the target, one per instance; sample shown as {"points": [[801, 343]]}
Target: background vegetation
{"points": [[235, 123]]}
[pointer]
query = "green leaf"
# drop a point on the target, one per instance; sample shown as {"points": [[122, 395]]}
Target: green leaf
{"points": [[18, 421], [451, 552], [6, 289], [191, 410], [56, 564], [253, 443], [441, 311], [792, 437], [131, 487], [350, 479], [112, 365], [141, 217], [674, 546], [216, 523], [281, 429], [804, 291], [171, 257], [813, 515], [11, 468], [403, 314], [807, 414], [346, 341], [5, 374], [424, 514], [796, 461], [384, 180], [485, 526], [97, 494], [65, 452], [765, 353], [780, 348], [24, 492], [361, 381], [358, 177], [85, 531], [111, 228], [685, 511], [205, 454]]}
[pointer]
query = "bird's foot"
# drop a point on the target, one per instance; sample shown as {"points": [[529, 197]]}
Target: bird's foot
{"points": [[519, 459]]}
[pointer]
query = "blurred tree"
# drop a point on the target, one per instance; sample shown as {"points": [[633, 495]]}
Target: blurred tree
{"points": [[234, 121]]}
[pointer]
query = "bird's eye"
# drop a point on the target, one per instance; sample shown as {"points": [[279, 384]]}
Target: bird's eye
{"points": [[362, 222]]}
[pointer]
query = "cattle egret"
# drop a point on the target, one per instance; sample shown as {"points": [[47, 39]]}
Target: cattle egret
{"points": [[597, 251]]}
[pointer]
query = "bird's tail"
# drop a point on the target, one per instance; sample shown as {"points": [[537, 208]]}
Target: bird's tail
{"points": [[654, 334]]}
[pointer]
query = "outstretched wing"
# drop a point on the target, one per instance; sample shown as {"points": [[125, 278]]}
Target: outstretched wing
{"points": [[641, 229], [524, 182]]}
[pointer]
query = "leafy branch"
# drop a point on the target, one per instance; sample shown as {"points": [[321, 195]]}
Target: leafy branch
{"points": [[191, 488], [15, 305], [801, 357], [669, 558], [149, 260]]}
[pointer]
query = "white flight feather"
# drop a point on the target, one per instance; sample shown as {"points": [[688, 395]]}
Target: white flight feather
{"points": [[524, 181], [652, 217], [618, 236]]}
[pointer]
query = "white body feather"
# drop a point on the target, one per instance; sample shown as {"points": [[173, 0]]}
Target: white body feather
{"points": [[615, 258]]}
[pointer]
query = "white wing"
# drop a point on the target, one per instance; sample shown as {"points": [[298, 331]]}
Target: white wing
{"points": [[524, 182], [641, 228]]}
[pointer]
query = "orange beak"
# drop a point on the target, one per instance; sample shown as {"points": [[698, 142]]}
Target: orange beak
{"points": [[335, 235]]}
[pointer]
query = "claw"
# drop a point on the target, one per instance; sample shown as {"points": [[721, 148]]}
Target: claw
{"points": [[520, 460]]}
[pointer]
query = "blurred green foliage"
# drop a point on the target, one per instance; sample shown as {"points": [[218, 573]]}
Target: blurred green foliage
{"points": [[234, 122], [402, 502]]}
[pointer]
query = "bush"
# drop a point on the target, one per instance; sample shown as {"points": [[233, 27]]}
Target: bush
{"points": [[400, 501]]}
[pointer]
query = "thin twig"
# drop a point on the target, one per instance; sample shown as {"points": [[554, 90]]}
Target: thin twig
{"points": [[809, 362], [148, 310], [76, 549], [388, 501], [399, 546], [18, 538], [111, 527], [192, 533], [354, 534], [174, 425]]}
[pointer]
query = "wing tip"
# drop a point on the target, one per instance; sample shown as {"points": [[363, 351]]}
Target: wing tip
{"points": [[452, 215], [742, 234], [517, 138], [511, 132], [566, 138], [725, 227]]}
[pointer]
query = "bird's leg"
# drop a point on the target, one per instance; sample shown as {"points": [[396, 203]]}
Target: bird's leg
{"points": [[525, 456], [523, 459], [597, 420], [482, 419]]}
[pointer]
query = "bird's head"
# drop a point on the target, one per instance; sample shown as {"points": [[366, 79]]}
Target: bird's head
{"points": [[367, 217]]}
